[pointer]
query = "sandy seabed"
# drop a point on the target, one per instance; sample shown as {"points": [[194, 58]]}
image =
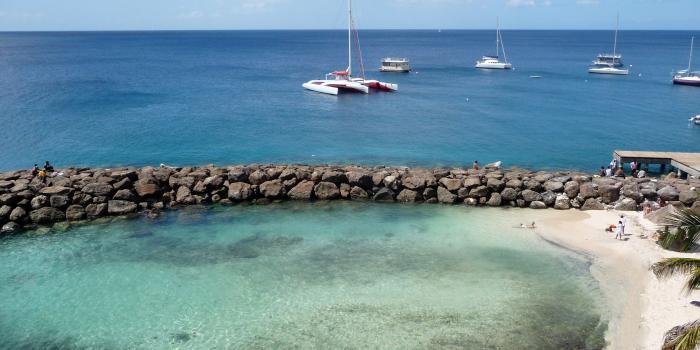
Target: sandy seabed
{"points": [[641, 308]]}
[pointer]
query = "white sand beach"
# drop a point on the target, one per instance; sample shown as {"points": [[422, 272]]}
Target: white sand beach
{"points": [[641, 308]]}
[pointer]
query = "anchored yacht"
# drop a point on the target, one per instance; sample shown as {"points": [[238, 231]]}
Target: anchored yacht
{"points": [[494, 62], [342, 81], [688, 77], [610, 63], [395, 65]]}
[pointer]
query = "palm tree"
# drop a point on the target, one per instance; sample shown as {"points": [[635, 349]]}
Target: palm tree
{"points": [[686, 225]]}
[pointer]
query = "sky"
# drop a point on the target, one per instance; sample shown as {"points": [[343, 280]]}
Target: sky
{"points": [[40, 15]]}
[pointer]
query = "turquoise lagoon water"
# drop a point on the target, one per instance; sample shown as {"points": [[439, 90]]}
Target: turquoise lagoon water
{"points": [[298, 276]]}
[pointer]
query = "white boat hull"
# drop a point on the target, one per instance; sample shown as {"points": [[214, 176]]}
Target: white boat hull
{"points": [[609, 70], [394, 70], [334, 87], [488, 65]]}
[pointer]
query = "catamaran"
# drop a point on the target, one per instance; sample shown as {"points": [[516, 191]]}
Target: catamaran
{"points": [[493, 62], [607, 63], [343, 81], [688, 77]]}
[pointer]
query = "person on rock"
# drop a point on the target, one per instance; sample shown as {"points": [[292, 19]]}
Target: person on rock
{"points": [[35, 170], [602, 171], [475, 165], [42, 176], [620, 173], [48, 167]]}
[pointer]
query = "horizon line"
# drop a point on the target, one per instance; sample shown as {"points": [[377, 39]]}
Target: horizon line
{"points": [[330, 29]]}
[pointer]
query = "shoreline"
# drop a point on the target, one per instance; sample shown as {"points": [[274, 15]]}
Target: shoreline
{"points": [[640, 307], [79, 194]]}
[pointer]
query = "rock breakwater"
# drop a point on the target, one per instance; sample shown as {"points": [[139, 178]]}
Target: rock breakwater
{"points": [[78, 194]]}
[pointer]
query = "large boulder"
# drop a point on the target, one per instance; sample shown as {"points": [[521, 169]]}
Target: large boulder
{"points": [[360, 179], [98, 189], [58, 201], [125, 195], [632, 191], [56, 190], [239, 191], [538, 205], [147, 189], [184, 196], [46, 215], [10, 228], [688, 197], [445, 196], [562, 202], [543, 177], [549, 197], [609, 194], [358, 193], [273, 189], [408, 196], [592, 204], [10, 199], [515, 184], [571, 189], [626, 204], [495, 184], [75, 213], [530, 196], [335, 177], [257, 177], [5, 211], [96, 210], [509, 194], [554, 186], [18, 214], [495, 200], [384, 195], [588, 190], [472, 182], [326, 190], [668, 193], [117, 207], [451, 185], [302, 191], [39, 201], [479, 192]]}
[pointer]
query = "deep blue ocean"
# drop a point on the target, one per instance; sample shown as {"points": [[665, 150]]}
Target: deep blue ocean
{"points": [[188, 98]]}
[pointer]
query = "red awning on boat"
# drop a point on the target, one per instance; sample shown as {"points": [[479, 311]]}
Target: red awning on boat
{"points": [[341, 73]]}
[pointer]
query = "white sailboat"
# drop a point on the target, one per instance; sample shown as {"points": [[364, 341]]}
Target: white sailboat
{"points": [[493, 62], [342, 81], [607, 63], [688, 77]]}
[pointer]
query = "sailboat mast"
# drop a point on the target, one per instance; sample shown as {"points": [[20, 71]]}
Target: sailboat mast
{"points": [[690, 60], [350, 37], [498, 36], [617, 27]]}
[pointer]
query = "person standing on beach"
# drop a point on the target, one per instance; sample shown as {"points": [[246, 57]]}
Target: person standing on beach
{"points": [[618, 230], [623, 223]]}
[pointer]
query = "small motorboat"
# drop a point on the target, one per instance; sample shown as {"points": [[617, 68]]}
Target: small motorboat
{"points": [[695, 119]]}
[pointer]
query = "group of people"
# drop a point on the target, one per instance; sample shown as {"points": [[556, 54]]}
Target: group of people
{"points": [[619, 229], [44, 172], [615, 169]]}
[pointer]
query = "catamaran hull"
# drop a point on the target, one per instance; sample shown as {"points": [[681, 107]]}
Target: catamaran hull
{"points": [[613, 71], [687, 82], [382, 86], [494, 66], [332, 87]]}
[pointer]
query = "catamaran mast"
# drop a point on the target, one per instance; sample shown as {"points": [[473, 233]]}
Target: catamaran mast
{"points": [[350, 37], [690, 60], [617, 26]]}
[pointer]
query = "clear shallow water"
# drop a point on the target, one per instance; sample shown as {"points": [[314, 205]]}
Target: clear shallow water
{"points": [[190, 98], [298, 276]]}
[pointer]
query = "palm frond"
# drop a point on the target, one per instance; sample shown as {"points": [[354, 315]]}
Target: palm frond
{"points": [[693, 281], [672, 266], [689, 340], [682, 218]]}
